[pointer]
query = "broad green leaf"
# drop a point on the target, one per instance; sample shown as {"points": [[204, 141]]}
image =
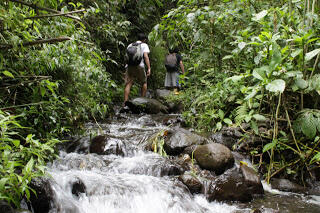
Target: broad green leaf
{"points": [[260, 73], [3, 183], [42, 91], [235, 78], [260, 15], [259, 117], [276, 57], [218, 125], [251, 95], [221, 114], [7, 73], [29, 166], [315, 158], [269, 146], [227, 57], [227, 121], [296, 53], [254, 126], [242, 45], [16, 143], [257, 58], [308, 126], [312, 54], [302, 84], [297, 74], [277, 85]]}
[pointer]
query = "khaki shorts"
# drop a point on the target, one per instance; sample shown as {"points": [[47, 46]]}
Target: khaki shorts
{"points": [[135, 73]]}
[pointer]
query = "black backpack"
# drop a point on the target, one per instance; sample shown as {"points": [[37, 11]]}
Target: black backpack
{"points": [[171, 62], [134, 54]]}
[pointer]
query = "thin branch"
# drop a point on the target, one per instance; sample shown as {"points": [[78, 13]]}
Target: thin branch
{"points": [[31, 43], [54, 15], [23, 105], [315, 65], [43, 8], [291, 129]]}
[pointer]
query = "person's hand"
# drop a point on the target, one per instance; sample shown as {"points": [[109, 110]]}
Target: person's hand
{"points": [[148, 72]]}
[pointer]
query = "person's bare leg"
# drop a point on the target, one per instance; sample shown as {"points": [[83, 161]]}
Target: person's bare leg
{"points": [[127, 90], [144, 90]]}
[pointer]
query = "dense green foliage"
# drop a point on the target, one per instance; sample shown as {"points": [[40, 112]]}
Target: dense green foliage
{"points": [[57, 72], [247, 62], [21, 159], [256, 63]]}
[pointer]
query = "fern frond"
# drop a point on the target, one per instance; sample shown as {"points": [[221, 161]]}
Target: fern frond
{"points": [[241, 112]]}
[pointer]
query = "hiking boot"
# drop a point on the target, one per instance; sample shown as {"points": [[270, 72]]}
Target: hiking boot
{"points": [[176, 92]]}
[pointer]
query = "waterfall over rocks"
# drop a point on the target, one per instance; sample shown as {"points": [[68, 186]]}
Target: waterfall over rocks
{"points": [[120, 170]]}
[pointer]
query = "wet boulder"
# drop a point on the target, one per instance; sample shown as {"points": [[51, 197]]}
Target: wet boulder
{"points": [[252, 179], [162, 94], [186, 162], [79, 145], [232, 186], [78, 187], [214, 157], [173, 107], [170, 121], [146, 105], [314, 189], [286, 185], [42, 201], [104, 145], [192, 182], [5, 207], [228, 136], [21, 211], [178, 139]]}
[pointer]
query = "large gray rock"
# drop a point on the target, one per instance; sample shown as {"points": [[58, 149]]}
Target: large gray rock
{"points": [[162, 94], [286, 185], [233, 186], [5, 207], [104, 145], [178, 139], [251, 179], [42, 201], [173, 106], [228, 136], [214, 157], [146, 105], [192, 182]]}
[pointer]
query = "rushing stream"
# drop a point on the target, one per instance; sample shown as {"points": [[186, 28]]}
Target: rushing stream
{"points": [[138, 181]]}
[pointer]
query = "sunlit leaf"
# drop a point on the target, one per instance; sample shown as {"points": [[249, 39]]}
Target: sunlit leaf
{"points": [[7, 73], [301, 83], [269, 146], [227, 121], [260, 73], [276, 86], [312, 54], [260, 15], [259, 117]]}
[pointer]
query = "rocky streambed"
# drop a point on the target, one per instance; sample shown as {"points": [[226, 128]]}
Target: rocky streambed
{"points": [[152, 163]]}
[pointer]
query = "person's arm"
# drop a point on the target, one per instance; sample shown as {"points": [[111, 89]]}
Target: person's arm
{"points": [[147, 61], [181, 66]]}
